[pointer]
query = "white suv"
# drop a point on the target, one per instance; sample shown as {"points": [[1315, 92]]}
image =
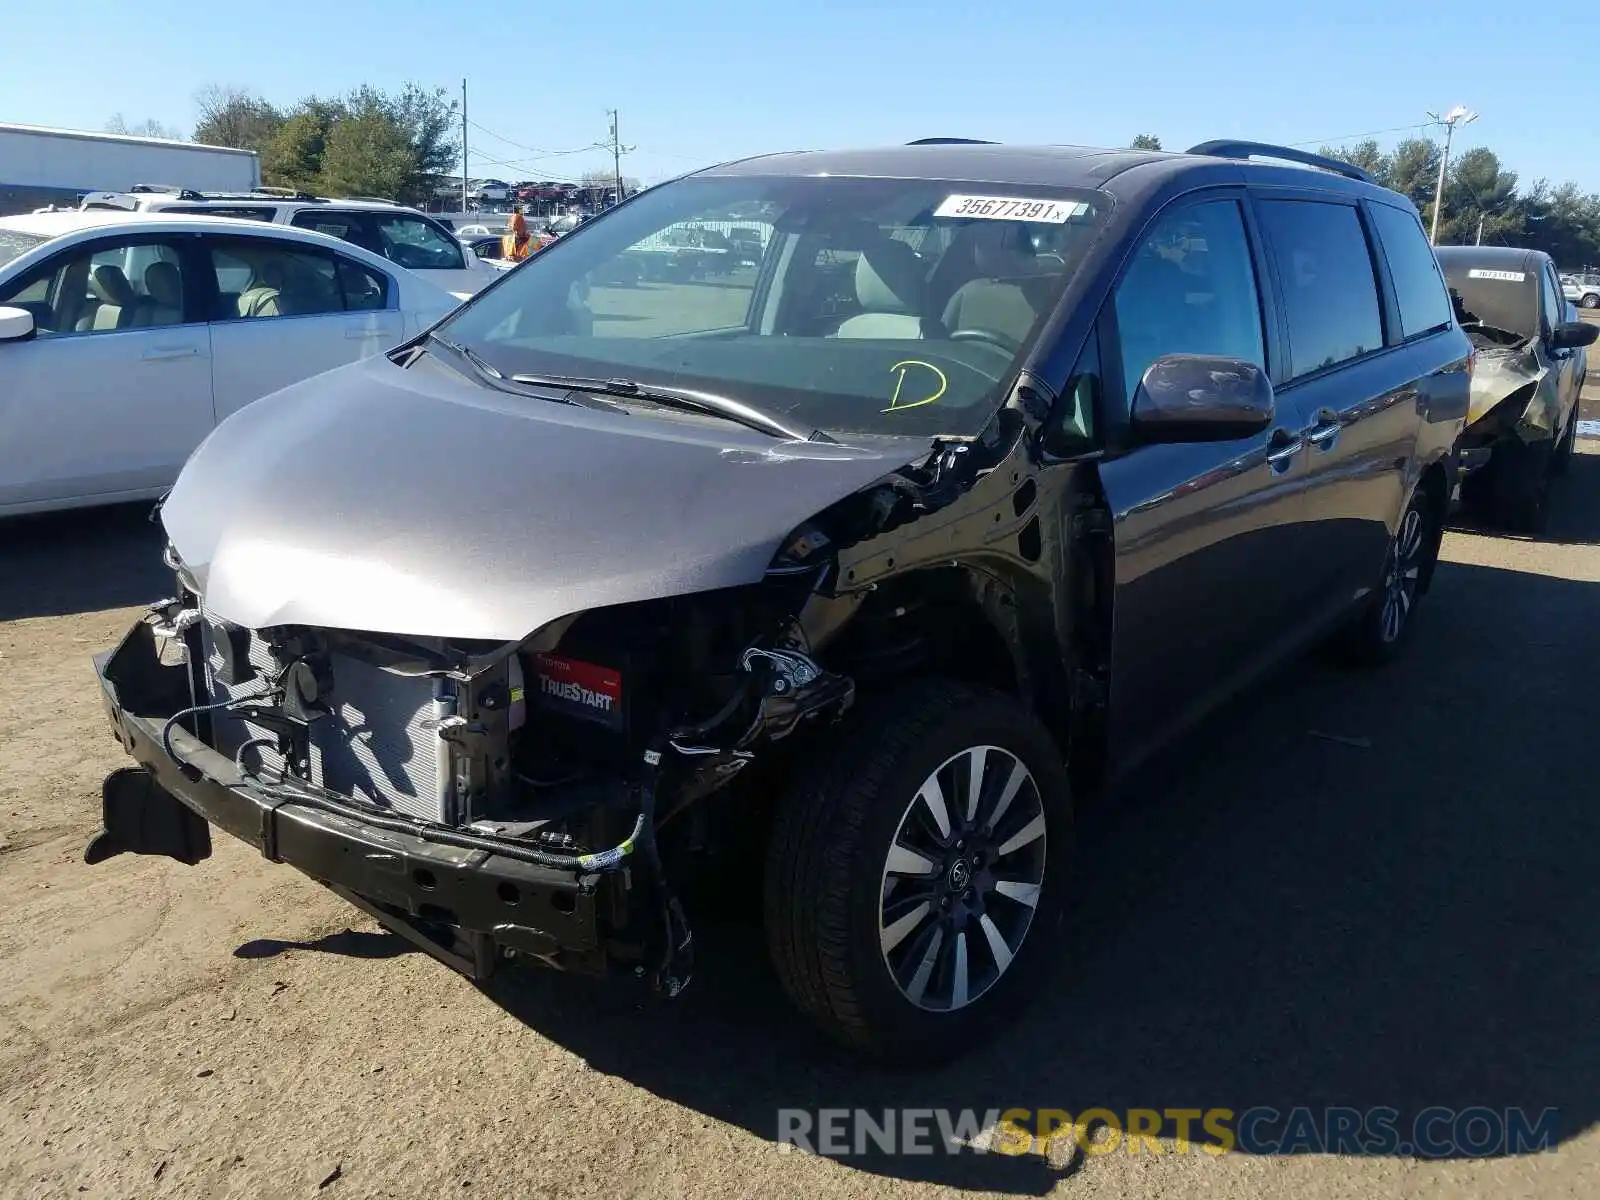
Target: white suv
{"points": [[405, 236], [1583, 290]]}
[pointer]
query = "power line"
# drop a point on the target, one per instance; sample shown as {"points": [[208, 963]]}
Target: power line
{"points": [[539, 151], [1346, 137]]}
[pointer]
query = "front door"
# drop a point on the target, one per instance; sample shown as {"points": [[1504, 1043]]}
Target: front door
{"points": [[1566, 365], [1206, 535], [113, 393], [283, 312]]}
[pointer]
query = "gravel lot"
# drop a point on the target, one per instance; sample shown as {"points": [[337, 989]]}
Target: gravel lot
{"points": [[1403, 917]]}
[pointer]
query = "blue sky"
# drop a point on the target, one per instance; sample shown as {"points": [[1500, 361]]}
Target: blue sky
{"points": [[711, 80]]}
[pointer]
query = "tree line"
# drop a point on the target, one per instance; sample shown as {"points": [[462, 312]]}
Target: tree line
{"points": [[368, 142], [1561, 219]]}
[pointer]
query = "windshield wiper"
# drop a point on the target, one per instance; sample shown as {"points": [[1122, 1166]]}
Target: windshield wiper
{"points": [[491, 375], [683, 398]]}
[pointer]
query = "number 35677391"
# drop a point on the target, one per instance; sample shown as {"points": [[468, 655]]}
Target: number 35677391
{"points": [[1005, 208]]}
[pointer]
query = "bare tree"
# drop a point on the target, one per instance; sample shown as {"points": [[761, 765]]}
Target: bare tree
{"points": [[149, 127], [234, 116]]}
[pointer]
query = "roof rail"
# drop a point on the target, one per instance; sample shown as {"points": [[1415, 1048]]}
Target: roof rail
{"points": [[165, 189], [283, 193], [374, 200], [1227, 148], [944, 141]]}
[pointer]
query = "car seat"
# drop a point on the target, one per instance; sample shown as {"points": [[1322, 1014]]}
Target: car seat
{"points": [[890, 288], [264, 297], [1007, 289], [163, 303], [116, 300]]}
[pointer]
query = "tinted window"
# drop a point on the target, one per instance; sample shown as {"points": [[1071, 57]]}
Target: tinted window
{"points": [[1191, 289], [1418, 286], [348, 227], [1330, 295], [230, 210]]}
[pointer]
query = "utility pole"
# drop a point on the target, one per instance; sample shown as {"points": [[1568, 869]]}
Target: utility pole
{"points": [[1479, 242], [1459, 115], [617, 151], [463, 145]]}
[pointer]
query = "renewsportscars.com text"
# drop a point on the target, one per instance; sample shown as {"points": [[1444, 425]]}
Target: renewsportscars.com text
{"points": [[1436, 1132]]}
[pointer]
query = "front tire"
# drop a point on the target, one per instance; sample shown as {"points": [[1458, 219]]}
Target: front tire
{"points": [[916, 875], [1590, 300], [1569, 443], [1520, 495]]}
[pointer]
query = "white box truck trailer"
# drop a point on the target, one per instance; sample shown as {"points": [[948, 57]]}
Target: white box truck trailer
{"points": [[40, 166]]}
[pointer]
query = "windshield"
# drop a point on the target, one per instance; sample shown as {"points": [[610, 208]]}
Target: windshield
{"points": [[883, 306], [14, 244]]}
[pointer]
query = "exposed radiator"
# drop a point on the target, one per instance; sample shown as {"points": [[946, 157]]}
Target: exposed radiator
{"points": [[379, 743]]}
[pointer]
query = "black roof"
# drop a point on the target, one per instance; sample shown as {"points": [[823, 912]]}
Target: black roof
{"points": [[1116, 170], [1061, 166], [1502, 258]]}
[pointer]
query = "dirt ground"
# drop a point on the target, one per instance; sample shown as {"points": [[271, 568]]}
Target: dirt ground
{"points": [[1401, 913]]}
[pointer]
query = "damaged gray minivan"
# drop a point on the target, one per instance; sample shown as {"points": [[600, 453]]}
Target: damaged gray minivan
{"points": [[997, 468], [1526, 382]]}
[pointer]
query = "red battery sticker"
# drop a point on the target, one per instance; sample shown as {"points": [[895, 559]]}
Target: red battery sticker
{"points": [[579, 689]]}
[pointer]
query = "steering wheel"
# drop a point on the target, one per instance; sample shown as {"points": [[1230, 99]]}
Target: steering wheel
{"points": [[984, 336]]}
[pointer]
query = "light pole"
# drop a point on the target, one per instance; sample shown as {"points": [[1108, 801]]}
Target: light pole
{"points": [[1459, 115]]}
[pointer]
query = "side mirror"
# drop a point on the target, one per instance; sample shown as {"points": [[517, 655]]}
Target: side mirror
{"points": [[1572, 335], [1201, 398], [16, 324]]}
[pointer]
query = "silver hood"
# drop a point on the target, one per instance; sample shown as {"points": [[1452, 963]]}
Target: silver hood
{"points": [[411, 501]]}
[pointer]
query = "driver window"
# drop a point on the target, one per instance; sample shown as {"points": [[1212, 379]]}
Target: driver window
{"points": [[1555, 304], [1190, 289], [105, 290]]}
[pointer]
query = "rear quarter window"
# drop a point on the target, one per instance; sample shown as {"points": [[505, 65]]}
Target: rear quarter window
{"points": [[1418, 286], [1330, 294]]}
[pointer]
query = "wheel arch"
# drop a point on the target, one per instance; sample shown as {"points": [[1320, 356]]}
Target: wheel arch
{"points": [[1434, 485]]}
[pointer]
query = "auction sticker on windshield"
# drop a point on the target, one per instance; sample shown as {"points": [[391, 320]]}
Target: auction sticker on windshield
{"points": [[1010, 208], [1502, 276]]}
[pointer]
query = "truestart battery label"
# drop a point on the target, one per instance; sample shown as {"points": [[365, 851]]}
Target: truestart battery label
{"points": [[579, 689]]}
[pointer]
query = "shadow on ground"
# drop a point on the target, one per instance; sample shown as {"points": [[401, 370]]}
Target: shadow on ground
{"points": [[349, 943], [83, 561], [1395, 910]]}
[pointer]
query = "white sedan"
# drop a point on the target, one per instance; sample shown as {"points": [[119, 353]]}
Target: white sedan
{"points": [[125, 338]]}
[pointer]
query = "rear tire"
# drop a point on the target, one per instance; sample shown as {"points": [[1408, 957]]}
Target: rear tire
{"points": [[1590, 300], [904, 916]]}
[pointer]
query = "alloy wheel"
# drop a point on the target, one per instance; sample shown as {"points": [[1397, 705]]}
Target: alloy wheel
{"points": [[1402, 574], [962, 878]]}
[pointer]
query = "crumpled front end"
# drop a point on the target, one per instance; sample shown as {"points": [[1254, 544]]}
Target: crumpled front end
{"points": [[484, 799], [1508, 395]]}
